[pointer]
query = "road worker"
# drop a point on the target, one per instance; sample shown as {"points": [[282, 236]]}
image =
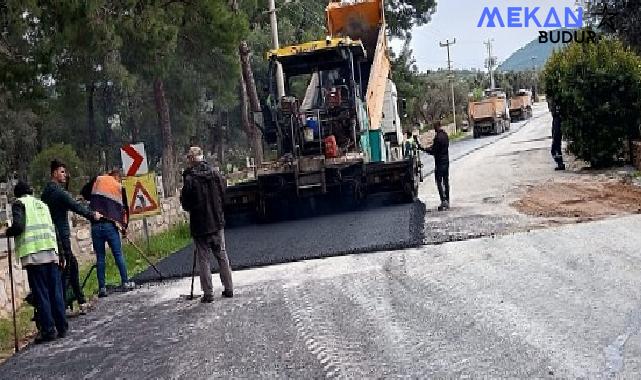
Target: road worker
{"points": [[37, 248]]}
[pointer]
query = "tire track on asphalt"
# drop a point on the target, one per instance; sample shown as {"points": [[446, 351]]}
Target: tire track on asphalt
{"points": [[496, 321], [393, 332], [340, 357], [313, 333]]}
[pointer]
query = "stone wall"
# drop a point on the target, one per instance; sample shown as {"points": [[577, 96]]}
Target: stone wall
{"points": [[20, 283], [172, 214]]}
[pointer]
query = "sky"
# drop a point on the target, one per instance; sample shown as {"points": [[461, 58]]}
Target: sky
{"points": [[458, 19]]}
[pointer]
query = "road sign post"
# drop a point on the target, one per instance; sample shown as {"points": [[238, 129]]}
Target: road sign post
{"points": [[145, 229]]}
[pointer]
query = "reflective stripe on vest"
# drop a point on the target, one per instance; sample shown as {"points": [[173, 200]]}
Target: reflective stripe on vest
{"points": [[39, 234]]}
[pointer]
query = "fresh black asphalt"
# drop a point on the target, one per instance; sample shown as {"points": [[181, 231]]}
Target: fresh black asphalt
{"points": [[373, 229]]}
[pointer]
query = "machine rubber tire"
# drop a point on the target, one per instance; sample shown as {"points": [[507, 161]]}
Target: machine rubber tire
{"points": [[262, 211], [352, 196]]}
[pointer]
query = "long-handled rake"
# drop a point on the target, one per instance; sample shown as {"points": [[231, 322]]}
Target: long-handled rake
{"points": [[140, 252], [191, 295]]}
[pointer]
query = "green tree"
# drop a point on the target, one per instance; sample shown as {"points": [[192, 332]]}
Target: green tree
{"points": [[160, 37], [40, 172], [624, 20], [402, 15], [598, 90]]}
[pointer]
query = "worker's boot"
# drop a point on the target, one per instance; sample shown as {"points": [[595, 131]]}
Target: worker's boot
{"points": [[559, 162]]}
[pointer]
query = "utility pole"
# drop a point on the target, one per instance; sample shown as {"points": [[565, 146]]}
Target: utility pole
{"points": [[534, 78], [490, 62], [447, 45], [280, 81]]}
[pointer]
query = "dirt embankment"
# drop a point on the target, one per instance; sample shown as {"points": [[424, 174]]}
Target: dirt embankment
{"points": [[587, 198]]}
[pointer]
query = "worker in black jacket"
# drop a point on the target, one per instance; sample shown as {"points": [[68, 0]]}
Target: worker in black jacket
{"points": [[440, 151], [203, 196], [557, 138]]}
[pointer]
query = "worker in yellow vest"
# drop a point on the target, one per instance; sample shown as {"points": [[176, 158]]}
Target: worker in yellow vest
{"points": [[37, 248]]}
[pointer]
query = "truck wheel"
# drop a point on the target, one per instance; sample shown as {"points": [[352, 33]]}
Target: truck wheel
{"points": [[410, 191], [262, 210], [476, 133], [352, 195]]}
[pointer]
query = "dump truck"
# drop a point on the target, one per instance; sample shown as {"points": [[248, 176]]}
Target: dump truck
{"points": [[490, 115], [521, 105], [342, 138]]}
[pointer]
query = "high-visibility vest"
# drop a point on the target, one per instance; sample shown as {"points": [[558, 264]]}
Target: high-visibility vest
{"points": [[409, 147], [39, 233], [106, 198]]}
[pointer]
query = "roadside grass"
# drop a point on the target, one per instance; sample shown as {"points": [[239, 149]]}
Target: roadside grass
{"points": [[161, 246], [26, 329], [458, 135]]}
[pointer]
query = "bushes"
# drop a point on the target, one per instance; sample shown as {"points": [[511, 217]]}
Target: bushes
{"points": [[598, 89], [40, 172]]}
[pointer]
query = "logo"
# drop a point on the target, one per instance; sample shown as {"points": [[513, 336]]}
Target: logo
{"points": [[525, 17], [607, 16]]}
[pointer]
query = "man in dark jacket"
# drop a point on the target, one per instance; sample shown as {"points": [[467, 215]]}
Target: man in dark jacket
{"points": [[440, 151], [203, 195], [557, 138], [60, 203]]}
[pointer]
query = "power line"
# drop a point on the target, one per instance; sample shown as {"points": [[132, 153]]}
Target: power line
{"points": [[447, 45], [490, 62]]}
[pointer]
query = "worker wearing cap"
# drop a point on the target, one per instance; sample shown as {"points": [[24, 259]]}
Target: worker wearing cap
{"points": [[408, 145], [107, 196], [203, 197], [37, 248]]}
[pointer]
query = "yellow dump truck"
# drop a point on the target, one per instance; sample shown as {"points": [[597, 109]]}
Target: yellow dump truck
{"points": [[521, 105], [489, 115], [343, 138]]}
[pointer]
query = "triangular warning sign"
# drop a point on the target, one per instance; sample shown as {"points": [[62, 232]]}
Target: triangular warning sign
{"points": [[141, 200]]}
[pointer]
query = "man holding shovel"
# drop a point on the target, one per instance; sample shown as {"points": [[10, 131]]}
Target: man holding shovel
{"points": [[107, 196]]}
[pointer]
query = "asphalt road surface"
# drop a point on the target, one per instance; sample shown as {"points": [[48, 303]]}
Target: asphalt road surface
{"points": [[526, 301], [564, 302]]}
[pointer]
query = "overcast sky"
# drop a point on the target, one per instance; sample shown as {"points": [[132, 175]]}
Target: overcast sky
{"points": [[458, 19]]}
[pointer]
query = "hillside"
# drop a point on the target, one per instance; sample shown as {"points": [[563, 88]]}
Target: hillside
{"points": [[521, 59]]}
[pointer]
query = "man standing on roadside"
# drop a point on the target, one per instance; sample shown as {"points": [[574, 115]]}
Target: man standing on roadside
{"points": [[557, 137], [107, 196], [440, 151], [60, 203], [203, 195], [37, 248]]}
